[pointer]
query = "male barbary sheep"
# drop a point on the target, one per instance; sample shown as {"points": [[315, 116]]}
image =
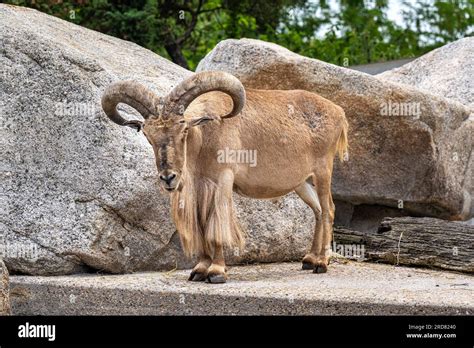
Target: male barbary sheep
{"points": [[296, 135]]}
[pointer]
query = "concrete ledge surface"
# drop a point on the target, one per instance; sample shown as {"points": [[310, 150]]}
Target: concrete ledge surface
{"points": [[349, 288]]}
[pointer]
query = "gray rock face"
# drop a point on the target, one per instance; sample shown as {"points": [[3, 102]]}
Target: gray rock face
{"points": [[4, 290], [447, 71], [79, 192], [407, 149]]}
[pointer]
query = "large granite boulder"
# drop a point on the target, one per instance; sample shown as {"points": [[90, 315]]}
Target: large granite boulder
{"points": [[4, 290], [80, 193], [446, 71], [409, 149]]}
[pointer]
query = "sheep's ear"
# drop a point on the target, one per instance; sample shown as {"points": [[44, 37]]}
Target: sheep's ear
{"points": [[200, 121]]}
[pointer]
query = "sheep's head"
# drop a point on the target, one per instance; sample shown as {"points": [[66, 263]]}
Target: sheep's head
{"points": [[165, 126]]}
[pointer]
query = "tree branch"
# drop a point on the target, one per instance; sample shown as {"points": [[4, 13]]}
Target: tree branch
{"points": [[192, 25]]}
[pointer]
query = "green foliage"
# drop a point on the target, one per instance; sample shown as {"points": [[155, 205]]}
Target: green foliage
{"points": [[344, 32], [438, 22]]}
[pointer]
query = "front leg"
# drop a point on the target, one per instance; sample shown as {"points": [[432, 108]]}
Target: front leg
{"points": [[222, 227], [199, 272], [216, 273], [212, 270]]}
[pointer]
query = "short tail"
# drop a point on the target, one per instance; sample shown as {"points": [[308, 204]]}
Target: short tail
{"points": [[342, 147]]}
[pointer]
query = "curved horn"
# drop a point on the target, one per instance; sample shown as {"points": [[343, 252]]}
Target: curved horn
{"points": [[134, 94], [207, 81]]}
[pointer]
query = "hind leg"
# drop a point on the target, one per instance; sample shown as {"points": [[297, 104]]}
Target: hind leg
{"points": [[320, 200], [322, 250], [309, 195]]}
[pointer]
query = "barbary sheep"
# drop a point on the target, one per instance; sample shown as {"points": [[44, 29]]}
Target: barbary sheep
{"points": [[294, 134]]}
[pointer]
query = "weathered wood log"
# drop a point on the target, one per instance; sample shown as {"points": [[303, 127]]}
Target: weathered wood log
{"points": [[414, 241], [4, 290]]}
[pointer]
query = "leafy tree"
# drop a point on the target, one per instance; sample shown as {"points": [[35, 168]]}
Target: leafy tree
{"points": [[439, 22], [338, 31]]}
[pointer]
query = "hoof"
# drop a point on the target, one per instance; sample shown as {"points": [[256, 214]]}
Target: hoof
{"points": [[321, 268], [307, 266], [197, 277], [216, 279]]}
